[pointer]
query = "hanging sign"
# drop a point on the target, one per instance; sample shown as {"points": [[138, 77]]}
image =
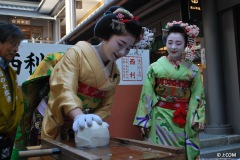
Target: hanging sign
{"points": [[195, 9]]}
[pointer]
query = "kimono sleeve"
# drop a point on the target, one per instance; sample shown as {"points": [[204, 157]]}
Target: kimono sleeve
{"points": [[64, 84], [196, 109], [147, 100]]}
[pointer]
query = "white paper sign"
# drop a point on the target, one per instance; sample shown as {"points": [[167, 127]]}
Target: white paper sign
{"points": [[30, 55], [132, 68]]}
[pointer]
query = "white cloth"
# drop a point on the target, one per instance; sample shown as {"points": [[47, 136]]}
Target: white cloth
{"points": [[42, 107], [92, 137]]}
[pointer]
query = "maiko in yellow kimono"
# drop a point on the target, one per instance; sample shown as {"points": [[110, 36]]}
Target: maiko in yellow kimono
{"points": [[79, 80]]}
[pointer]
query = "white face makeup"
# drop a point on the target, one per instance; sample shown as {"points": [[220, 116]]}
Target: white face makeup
{"points": [[175, 46], [117, 46]]}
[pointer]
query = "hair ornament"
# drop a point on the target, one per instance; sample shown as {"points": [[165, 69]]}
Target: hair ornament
{"points": [[118, 25], [123, 16], [192, 31], [145, 40], [120, 16], [127, 20], [123, 11]]}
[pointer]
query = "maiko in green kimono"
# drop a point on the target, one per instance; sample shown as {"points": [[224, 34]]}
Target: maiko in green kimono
{"points": [[171, 107]]}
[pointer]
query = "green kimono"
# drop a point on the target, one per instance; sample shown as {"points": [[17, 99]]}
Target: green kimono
{"points": [[172, 100]]}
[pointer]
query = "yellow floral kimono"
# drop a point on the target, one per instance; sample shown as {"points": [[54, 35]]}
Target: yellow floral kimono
{"points": [[79, 71]]}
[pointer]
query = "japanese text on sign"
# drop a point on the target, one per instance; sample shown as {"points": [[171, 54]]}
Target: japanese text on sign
{"points": [[132, 68]]}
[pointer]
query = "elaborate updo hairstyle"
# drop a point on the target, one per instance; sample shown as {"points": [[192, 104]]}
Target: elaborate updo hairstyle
{"points": [[176, 28], [104, 29]]}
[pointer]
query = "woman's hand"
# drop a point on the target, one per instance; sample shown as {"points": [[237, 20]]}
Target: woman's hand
{"points": [[144, 132], [198, 126], [82, 119]]}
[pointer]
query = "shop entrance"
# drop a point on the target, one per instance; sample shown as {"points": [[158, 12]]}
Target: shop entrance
{"points": [[32, 33]]}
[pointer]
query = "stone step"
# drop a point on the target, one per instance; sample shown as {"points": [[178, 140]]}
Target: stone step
{"points": [[214, 147], [230, 151], [218, 140]]}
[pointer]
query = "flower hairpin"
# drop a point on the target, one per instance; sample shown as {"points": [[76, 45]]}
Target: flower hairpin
{"points": [[191, 30], [146, 39], [119, 23], [120, 16]]}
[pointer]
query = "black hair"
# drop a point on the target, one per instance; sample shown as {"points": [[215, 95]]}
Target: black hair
{"points": [[10, 32], [178, 29], [94, 40], [104, 30]]}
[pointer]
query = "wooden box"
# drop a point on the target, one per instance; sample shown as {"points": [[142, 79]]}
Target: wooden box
{"points": [[118, 149]]}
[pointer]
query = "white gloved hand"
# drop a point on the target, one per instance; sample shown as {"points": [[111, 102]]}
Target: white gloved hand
{"points": [[80, 120]]}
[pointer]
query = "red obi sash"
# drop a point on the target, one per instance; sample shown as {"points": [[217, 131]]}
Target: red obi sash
{"points": [[90, 91], [180, 114]]}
